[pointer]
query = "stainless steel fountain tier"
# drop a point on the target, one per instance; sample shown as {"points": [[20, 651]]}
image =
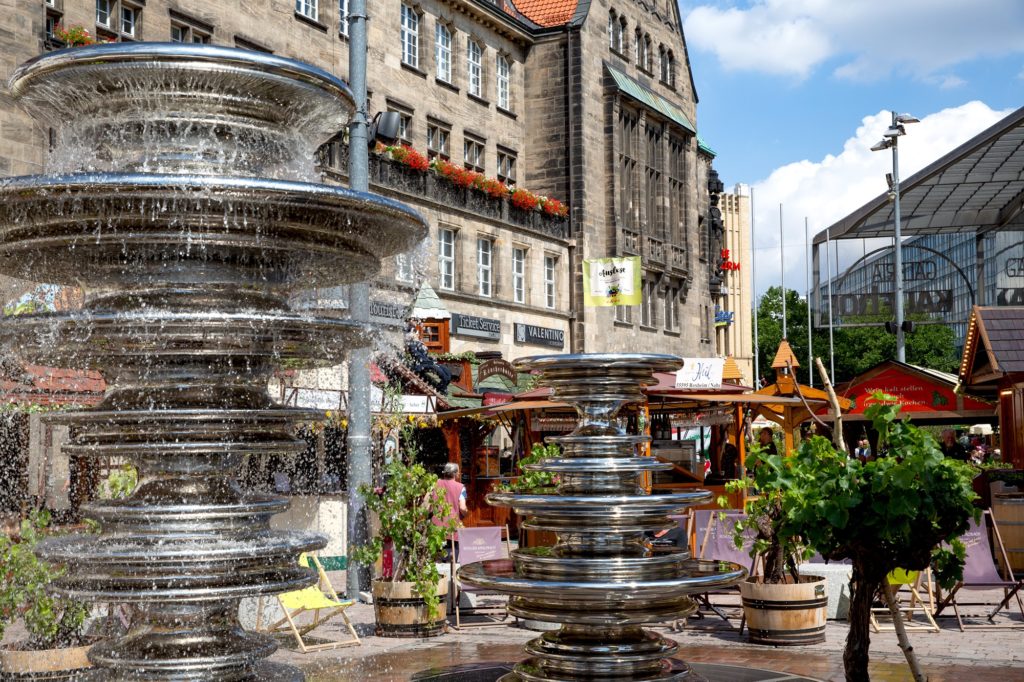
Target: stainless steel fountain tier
{"points": [[600, 580], [179, 196]]}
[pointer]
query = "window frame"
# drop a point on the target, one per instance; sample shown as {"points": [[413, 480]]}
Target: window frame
{"points": [[485, 266], [474, 69], [446, 244], [443, 52], [503, 81], [550, 281], [507, 160], [308, 8], [439, 140], [518, 274], [409, 36], [343, 13], [478, 146]]}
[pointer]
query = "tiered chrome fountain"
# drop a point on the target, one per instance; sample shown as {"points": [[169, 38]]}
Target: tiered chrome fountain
{"points": [[600, 581], [181, 196]]}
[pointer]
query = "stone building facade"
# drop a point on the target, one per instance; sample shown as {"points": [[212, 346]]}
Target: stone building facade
{"points": [[591, 103]]}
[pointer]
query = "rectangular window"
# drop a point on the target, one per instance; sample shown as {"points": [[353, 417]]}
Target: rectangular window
{"points": [[648, 307], [672, 309], [624, 313], [473, 153], [474, 70], [184, 31], [307, 8], [438, 138], [128, 16], [343, 17], [403, 268], [652, 181], [103, 13], [550, 262], [51, 25], [484, 253], [410, 37], [507, 166], [443, 52], [446, 259], [503, 72], [676, 219], [519, 275], [627, 208]]}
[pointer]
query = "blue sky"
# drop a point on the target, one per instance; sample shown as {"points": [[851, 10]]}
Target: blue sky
{"points": [[794, 92]]}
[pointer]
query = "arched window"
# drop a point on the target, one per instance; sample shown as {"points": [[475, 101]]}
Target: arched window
{"points": [[623, 46], [638, 42], [671, 69], [474, 68], [647, 51], [663, 63], [613, 29], [503, 69]]}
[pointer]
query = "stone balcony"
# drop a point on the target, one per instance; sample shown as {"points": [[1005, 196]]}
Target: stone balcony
{"points": [[428, 186]]}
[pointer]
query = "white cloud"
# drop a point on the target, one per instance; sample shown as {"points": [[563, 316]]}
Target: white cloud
{"points": [[869, 38], [829, 189]]}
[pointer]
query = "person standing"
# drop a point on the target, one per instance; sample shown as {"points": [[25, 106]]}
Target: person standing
{"points": [[766, 439], [951, 447], [863, 449], [454, 494]]}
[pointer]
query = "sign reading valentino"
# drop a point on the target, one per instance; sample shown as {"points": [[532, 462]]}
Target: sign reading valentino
{"points": [[611, 281], [480, 327], [539, 336]]}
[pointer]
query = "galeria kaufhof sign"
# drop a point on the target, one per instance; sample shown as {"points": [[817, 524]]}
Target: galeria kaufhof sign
{"points": [[881, 300]]}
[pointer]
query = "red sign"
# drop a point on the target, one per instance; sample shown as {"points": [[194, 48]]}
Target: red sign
{"points": [[914, 393], [728, 265]]}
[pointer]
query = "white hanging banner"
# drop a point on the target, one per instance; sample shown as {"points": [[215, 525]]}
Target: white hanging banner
{"points": [[700, 373]]}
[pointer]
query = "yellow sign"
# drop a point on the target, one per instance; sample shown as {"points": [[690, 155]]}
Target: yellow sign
{"points": [[611, 281]]}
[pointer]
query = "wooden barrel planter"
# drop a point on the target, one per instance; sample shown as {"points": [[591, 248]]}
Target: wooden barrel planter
{"points": [[401, 611], [787, 613], [47, 664], [1008, 511]]}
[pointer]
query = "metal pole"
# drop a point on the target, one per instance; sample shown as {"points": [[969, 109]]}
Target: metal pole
{"points": [[901, 350], [782, 273], [828, 276], [358, 463], [807, 283], [753, 285]]}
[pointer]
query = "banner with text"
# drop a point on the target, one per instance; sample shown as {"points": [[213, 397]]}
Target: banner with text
{"points": [[611, 281], [700, 373]]}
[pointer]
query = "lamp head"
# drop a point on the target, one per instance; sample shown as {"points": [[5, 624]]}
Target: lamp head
{"points": [[882, 145], [895, 131], [907, 118]]}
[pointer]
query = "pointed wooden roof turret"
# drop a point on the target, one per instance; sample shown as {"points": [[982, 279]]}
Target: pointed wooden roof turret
{"points": [[784, 353], [731, 371], [784, 379]]}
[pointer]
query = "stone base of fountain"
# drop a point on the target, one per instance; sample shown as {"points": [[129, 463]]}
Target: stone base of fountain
{"points": [[266, 672]]}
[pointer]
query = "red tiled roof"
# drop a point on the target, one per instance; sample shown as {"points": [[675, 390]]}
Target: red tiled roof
{"points": [[547, 12]]}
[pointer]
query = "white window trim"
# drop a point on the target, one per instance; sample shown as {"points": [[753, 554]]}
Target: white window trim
{"points": [[485, 266], [518, 275], [443, 52], [109, 7], [308, 8], [503, 68], [410, 36], [446, 261], [474, 68], [343, 10], [550, 281]]}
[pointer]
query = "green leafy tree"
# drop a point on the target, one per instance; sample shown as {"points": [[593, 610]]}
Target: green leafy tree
{"points": [[856, 349], [893, 512], [533, 481]]}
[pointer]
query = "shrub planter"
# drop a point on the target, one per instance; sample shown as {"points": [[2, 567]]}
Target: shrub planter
{"points": [[45, 664], [785, 613], [401, 611]]}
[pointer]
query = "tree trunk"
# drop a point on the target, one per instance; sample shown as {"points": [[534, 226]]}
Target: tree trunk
{"points": [[901, 634], [855, 656]]}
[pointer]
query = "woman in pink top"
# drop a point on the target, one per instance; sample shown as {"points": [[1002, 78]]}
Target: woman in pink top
{"points": [[454, 493]]}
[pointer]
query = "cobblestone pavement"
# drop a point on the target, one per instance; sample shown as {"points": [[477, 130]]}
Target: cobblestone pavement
{"points": [[989, 655]]}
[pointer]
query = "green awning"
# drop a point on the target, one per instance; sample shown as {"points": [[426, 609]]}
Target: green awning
{"points": [[649, 98]]}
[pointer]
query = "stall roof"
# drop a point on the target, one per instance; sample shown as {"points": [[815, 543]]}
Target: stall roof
{"points": [[979, 186], [926, 395], [666, 385], [994, 346]]}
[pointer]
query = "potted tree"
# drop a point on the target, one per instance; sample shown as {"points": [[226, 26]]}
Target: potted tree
{"points": [[781, 606], [56, 647], [408, 593], [897, 511]]}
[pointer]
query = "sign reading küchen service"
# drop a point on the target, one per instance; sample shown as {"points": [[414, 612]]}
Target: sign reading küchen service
{"points": [[480, 327], [539, 336]]}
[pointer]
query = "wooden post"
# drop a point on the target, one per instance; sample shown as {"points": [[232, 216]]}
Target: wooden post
{"points": [[837, 414]]}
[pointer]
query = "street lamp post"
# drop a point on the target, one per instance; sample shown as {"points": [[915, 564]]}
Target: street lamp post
{"points": [[889, 141]]}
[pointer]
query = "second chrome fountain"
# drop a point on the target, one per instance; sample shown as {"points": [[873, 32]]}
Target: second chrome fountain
{"points": [[600, 581]]}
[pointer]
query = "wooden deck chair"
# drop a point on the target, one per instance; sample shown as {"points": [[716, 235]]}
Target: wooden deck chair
{"points": [[316, 598], [980, 573], [712, 532], [907, 584], [483, 543]]}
